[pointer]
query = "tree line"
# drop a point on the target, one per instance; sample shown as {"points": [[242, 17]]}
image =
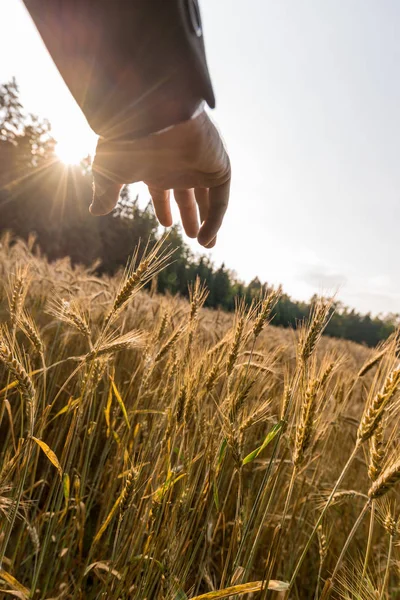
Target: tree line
{"points": [[39, 194]]}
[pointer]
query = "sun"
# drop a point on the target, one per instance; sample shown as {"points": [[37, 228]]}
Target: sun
{"points": [[69, 152], [74, 142]]}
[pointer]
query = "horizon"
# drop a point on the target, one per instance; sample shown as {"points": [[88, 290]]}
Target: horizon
{"points": [[317, 113]]}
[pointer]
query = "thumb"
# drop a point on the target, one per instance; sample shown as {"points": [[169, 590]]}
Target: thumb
{"points": [[105, 198], [106, 188]]}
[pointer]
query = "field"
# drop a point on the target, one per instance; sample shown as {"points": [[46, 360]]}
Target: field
{"points": [[153, 449]]}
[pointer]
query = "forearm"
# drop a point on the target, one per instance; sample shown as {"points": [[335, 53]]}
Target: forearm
{"points": [[133, 66]]}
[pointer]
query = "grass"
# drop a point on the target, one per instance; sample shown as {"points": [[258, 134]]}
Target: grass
{"points": [[153, 449]]}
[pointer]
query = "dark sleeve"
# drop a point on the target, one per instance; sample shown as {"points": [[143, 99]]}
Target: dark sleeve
{"points": [[133, 66]]}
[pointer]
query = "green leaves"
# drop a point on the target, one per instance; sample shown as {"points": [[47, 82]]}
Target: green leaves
{"points": [[268, 439], [222, 452]]}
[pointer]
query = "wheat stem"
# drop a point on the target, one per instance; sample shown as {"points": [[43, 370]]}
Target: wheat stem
{"points": [[321, 516]]}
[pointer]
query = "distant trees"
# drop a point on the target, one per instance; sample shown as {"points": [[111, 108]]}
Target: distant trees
{"points": [[25, 141], [39, 194]]}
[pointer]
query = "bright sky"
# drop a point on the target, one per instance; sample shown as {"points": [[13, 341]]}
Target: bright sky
{"points": [[308, 97]]}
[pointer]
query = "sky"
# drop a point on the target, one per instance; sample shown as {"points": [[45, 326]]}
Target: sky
{"points": [[308, 103]]}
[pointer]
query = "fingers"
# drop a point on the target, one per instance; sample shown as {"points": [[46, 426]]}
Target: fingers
{"points": [[202, 199], [218, 203], [187, 207], [203, 202], [106, 187], [212, 243], [105, 201], [104, 165], [161, 205]]}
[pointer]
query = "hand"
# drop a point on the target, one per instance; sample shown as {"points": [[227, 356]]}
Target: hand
{"points": [[188, 158]]}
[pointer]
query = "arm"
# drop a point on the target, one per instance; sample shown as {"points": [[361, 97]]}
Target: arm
{"points": [[133, 66], [138, 68]]}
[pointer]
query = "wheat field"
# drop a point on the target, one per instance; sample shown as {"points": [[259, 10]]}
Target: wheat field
{"points": [[154, 449]]}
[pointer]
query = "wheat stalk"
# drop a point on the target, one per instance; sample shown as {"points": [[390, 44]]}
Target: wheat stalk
{"points": [[127, 491], [135, 279], [15, 367], [306, 425], [374, 413], [69, 312], [377, 453], [132, 339], [371, 363], [28, 326], [267, 304], [386, 481], [310, 336], [18, 293], [169, 344], [234, 350]]}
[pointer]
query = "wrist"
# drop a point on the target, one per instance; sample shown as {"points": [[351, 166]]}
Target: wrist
{"points": [[197, 112]]}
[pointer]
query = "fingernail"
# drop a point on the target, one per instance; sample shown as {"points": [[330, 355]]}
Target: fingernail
{"points": [[201, 239]]}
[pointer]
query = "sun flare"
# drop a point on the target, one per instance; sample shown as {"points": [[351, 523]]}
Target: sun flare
{"points": [[70, 152], [75, 144]]}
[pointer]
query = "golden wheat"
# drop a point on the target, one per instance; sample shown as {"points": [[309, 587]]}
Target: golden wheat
{"points": [[158, 461]]}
